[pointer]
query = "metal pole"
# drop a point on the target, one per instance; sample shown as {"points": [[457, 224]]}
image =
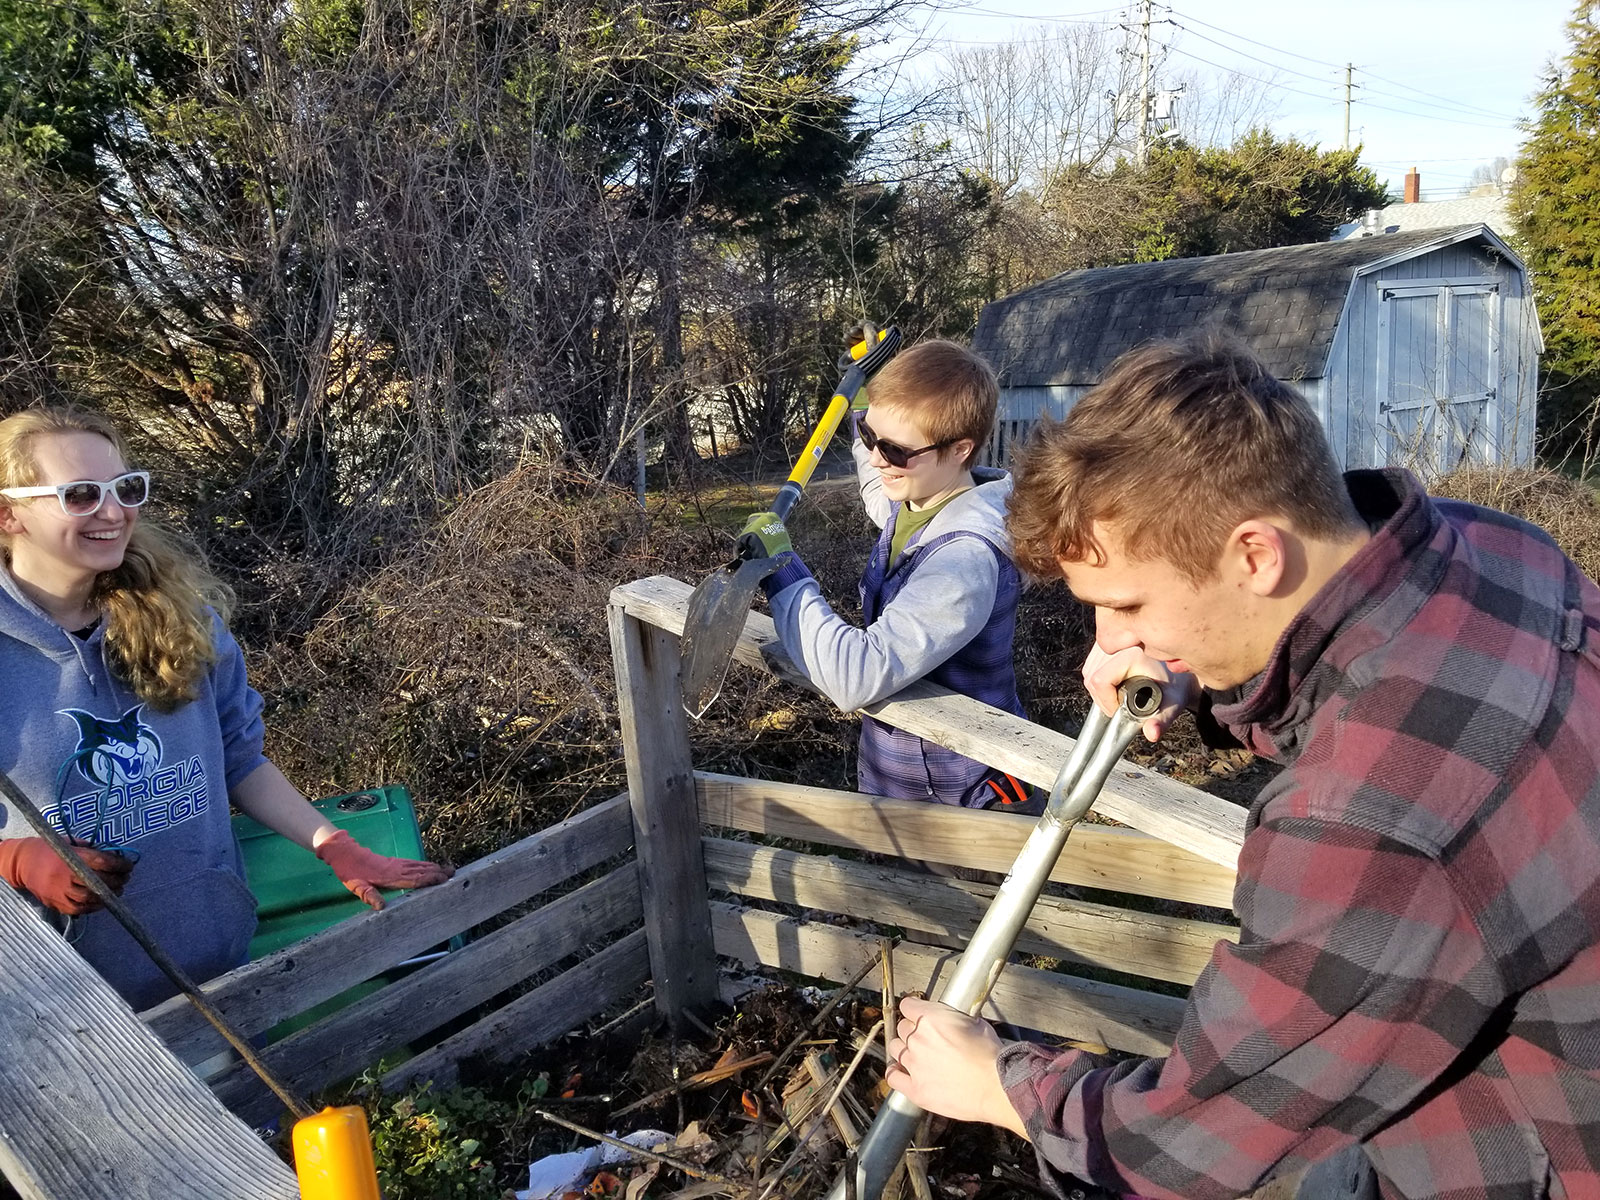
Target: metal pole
{"points": [[1100, 744], [1349, 69], [638, 464], [1144, 83]]}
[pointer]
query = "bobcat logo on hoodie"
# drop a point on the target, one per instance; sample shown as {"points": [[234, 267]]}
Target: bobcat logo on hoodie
{"points": [[115, 753], [133, 792]]}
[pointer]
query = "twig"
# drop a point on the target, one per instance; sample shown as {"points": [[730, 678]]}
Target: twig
{"points": [[664, 1160], [698, 1023], [816, 1022], [627, 1016], [783, 1115], [891, 1017], [698, 1080], [844, 1080], [916, 1168], [848, 1133]]}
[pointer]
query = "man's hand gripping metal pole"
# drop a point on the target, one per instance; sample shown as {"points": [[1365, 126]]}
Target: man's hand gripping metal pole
{"points": [[1100, 744]]}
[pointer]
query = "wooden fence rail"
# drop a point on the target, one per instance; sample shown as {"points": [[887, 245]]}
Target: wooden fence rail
{"points": [[92, 1106]]}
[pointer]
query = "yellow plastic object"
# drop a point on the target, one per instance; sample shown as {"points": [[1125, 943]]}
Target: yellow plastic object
{"points": [[859, 350], [333, 1156]]}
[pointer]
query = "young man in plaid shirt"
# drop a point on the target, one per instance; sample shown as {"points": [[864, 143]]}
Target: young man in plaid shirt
{"points": [[1413, 1008]]}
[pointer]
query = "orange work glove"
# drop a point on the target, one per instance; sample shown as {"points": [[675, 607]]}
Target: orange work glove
{"points": [[364, 872], [29, 864]]}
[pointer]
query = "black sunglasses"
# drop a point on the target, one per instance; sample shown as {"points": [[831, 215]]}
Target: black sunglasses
{"points": [[893, 453]]}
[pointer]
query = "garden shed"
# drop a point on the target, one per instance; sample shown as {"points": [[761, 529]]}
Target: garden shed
{"points": [[1416, 348]]}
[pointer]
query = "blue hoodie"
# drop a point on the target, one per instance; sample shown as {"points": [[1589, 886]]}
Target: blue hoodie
{"points": [[76, 740]]}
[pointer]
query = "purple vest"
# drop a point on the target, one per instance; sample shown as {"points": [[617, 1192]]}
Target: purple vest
{"points": [[900, 764]]}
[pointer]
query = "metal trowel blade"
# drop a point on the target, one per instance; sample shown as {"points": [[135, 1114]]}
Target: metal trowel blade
{"points": [[711, 629]]}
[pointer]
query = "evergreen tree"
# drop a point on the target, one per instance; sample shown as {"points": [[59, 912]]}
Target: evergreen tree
{"points": [[1558, 227], [1258, 193]]}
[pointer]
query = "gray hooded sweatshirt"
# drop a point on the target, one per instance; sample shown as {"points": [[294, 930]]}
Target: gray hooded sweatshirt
{"points": [[103, 765], [947, 604]]}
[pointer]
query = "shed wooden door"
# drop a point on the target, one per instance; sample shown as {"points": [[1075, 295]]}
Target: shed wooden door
{"points": [[1438, 369]]}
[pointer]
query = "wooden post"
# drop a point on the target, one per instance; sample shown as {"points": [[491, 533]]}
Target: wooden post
{"points": [[666, 816], [93, 1106]]}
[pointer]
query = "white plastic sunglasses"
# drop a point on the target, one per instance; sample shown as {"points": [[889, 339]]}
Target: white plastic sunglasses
{"points": [[82, 497]]}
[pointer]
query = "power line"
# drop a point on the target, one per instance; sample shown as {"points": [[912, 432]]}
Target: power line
{"points": [[1448, 106], [1401, 162], [1264, 62], [1411, 88], [1253, 42], [1437, 101], [1063, 18], [1421, 116], [1459, 110], [1253, 78]]}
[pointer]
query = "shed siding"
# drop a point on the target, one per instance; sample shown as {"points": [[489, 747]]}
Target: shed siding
{"points": [[1020, 409], [1361, 374], [1337, 411], [1490, 339]]}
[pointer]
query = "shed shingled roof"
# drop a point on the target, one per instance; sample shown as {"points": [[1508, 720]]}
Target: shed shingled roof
{"points": [[1283, 303]]}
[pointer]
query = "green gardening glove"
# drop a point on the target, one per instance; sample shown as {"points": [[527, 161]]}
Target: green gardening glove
{"points": [[764, 536]]}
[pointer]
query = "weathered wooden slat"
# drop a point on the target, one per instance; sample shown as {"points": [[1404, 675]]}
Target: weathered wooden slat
{"points": [[1198, 822], [1098, 856], [672, 878], [258, 995], [1118, 939], [92, 1106], [540, 1016], [1119, 1017], [343, 1045]]}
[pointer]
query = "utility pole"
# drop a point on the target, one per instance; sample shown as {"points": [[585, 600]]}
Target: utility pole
{"points": [[1349, 69], [1143, 144]]}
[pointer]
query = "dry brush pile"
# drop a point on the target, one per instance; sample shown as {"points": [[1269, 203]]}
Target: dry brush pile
{"points": [[476, 667]]}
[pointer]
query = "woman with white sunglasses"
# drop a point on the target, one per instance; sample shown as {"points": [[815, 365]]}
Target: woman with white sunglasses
{"points": [[129, 720]]}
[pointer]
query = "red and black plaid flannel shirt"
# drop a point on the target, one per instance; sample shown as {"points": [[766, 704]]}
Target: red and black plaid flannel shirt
{"points": [[1419, 894]]}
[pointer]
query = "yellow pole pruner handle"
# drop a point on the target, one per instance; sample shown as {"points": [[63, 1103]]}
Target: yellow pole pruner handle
{"points": [[333, 1156], [870, 337], [866, 356]]}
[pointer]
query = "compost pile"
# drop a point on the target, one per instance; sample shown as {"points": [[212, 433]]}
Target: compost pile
{"points": [[766, 1103]]}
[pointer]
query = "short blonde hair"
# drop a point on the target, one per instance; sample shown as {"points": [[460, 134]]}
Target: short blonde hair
{"points": [[158, 603], [1177, 445], [947, 389]]}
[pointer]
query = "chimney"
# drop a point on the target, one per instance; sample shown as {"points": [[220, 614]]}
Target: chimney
{"points": [[1413, 186], [1372, 222]]}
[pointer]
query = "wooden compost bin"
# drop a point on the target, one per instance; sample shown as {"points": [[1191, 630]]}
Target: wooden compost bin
{"points": [[96, 1102], [1180, 844]]}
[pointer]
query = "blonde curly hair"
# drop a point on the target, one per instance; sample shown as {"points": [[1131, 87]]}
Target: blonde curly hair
{"points": [[158, 604]]}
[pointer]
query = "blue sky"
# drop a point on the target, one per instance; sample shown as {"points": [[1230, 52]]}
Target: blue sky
{"points": [[1442, 82]]}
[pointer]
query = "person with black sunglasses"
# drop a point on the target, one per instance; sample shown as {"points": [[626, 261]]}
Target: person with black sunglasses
{"points": [[939, 596], [129, 721]]}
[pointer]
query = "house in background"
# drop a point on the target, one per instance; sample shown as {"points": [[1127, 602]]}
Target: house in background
{"points": [[1417, 349], [1485, 205]]}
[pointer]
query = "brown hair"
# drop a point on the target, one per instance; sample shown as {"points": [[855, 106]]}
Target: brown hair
{"points": [[1177, 444], [945, 388], [157, 603]]}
